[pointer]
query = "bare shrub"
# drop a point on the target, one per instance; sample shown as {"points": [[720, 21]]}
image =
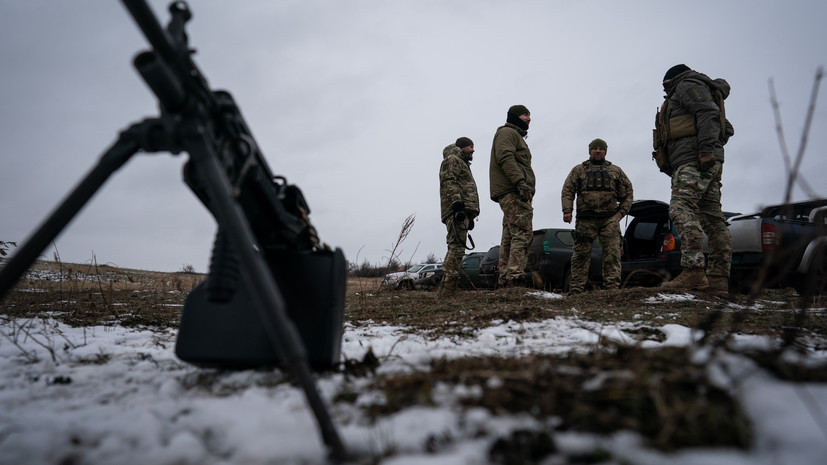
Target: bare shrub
{"points": [[5, 246]]}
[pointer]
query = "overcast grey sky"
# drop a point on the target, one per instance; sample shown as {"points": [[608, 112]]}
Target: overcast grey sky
{"points": [[354, 101]]}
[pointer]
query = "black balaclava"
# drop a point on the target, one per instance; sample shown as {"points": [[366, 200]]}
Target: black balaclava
{"points": [[513, 116]]}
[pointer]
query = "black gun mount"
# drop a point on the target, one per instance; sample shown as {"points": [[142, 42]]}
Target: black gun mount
{"points": [[274, 294]]}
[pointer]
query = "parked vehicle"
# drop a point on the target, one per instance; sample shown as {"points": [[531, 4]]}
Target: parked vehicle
{"points": [[429, 281], [782, 245], [429, 275], [468, 276], [469, 271], [406, 279], [651, 245], [489, 267], [549, 259]]}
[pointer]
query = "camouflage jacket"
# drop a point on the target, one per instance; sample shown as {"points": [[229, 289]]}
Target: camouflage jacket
{"points": [[456, 183], [602, 189], [510, 161], [691, 98]]}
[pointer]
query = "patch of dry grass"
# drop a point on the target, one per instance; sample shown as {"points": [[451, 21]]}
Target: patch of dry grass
{"points": [[773, 313], [88, 295], [659, 393]]}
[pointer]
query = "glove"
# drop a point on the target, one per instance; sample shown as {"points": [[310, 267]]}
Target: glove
{"points": [[459, 210], [524, 191], [706, 160]]}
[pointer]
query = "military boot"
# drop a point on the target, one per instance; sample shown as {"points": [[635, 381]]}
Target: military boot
{"points": [[718, 283], [506, 285], [447, 288], [693, 279]]}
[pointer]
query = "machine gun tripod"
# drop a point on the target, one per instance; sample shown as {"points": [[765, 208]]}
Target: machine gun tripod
{"points": [[239, 316]]}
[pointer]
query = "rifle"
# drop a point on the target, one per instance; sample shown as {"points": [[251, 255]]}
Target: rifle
{"points": [[274, 292]]}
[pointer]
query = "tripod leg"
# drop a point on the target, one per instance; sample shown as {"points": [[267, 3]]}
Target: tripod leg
{"points": [[265, 294], [111, 160]]}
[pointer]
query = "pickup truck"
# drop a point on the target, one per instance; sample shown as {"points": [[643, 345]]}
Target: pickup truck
{"points": [[782, 245]]}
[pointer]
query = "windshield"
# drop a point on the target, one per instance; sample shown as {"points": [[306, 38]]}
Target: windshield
{"points": [[415, 268]]}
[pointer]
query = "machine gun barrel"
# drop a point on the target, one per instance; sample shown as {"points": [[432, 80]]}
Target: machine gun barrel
{"points": [[171, 47], [163, 82]]}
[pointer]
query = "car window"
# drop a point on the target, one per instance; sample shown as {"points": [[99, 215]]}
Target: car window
{"points": [[471, 262], [492, 256], [429, 268], [415, 268], [565, 237], [645, 230]]}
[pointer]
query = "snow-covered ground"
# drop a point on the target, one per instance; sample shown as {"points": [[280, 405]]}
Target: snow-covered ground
{"points": [[114, 395]]}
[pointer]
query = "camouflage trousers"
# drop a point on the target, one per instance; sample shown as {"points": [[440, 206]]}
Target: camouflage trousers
{"points": [[457, 235], [516, 237], [695, 208], [607, 230]]}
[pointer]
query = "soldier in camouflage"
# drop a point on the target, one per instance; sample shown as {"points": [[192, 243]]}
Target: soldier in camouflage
{"points": [[460, 204], [512, 186], [604, 196], [693, 129]]}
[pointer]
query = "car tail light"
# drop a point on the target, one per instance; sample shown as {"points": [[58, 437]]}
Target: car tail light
{"points": [[769, 238], [668, 243]]}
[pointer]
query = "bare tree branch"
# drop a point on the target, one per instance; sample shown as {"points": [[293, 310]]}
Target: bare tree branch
{"points": [[793, 168], [779, 129]]}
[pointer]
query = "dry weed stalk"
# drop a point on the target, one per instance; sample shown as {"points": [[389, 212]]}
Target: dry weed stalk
{"points": [[407, 225], [106, 297]]}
